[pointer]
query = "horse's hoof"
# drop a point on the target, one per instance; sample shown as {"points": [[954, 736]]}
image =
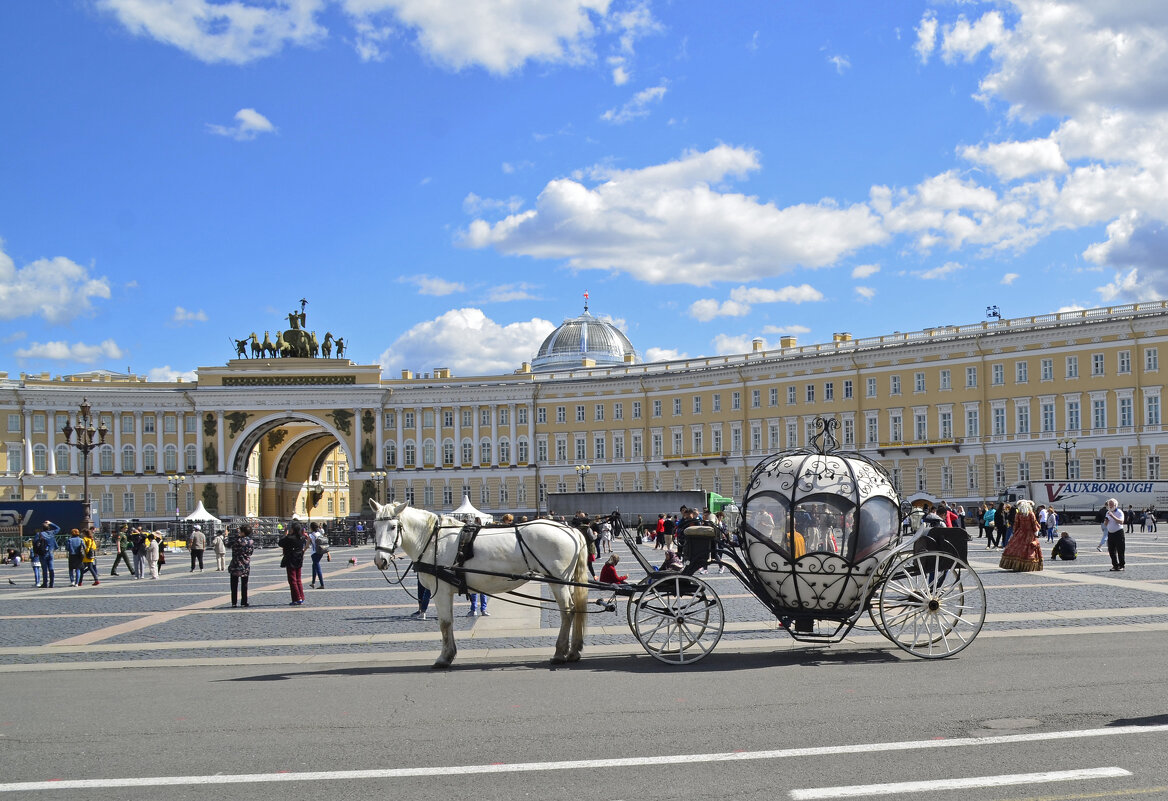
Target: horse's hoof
{"points": [[441, 664], [573, 657], [558, 660]]}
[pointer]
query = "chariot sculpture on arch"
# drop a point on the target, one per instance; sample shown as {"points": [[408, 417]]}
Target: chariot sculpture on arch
{"points": [[296, 341]]}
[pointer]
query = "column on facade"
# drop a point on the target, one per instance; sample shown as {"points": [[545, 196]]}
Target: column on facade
{"points": [[159, 462], [513, 457], [494, 435], [418, 437], [220, 456], [379, 439], [458, 435], [198, 447], [26, 457], [475, 435], [51, 441], [180, 464], [358, 462], [399, 458], [138, 464], [73, 453], [117, 421], [530, 432]]}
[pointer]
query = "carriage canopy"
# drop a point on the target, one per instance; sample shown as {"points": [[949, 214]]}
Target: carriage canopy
{"points": [[820, 500]]}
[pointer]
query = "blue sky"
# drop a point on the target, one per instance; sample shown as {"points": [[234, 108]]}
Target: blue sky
{"points": [[443, 181]]}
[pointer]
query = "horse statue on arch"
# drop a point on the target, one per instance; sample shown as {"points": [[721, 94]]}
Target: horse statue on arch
{"points": [[268, 347], [257, 349], [326, 347], [537, 549]]}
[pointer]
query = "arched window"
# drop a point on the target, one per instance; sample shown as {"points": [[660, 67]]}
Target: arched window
{"points": [[448, 452], [192, 459], [523, 452], [40, 459], [467, 452], [62, 458], [391, 454], [170, 459], [149, 459], [128, 465], [107, 458], [410, 454], [485, 452], [428, 452], [504, 452]]}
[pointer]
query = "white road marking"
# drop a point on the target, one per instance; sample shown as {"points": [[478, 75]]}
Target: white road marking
{"points": [[957, 784], [580, 764]]}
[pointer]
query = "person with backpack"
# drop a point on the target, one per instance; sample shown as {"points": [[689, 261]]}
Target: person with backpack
{"points": [[294, 544], [43, 545], [73, 547], [88, 557], [320, 547], [138, 548]]}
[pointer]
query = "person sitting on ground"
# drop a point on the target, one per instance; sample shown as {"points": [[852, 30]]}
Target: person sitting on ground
{"points": [[608, 573], [1066, 548], [672, 561]]}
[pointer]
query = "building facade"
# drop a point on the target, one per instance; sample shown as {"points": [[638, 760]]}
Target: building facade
{"points": [[954, 412]]}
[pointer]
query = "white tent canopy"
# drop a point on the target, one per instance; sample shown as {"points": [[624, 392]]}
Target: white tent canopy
{"points": [[201, 515], [467, 513]]}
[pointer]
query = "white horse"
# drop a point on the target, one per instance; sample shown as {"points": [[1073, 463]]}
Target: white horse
{"points": [[534, 550]]}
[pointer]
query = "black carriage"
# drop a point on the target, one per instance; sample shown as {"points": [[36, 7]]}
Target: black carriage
{"points": [[817, 539]]}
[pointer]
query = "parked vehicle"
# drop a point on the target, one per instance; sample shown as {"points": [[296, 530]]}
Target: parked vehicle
{"points": [[1082, 500]]}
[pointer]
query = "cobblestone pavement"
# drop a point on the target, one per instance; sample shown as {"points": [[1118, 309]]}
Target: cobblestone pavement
{"points": [[186, 618]]}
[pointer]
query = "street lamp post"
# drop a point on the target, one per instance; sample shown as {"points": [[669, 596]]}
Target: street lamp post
{"points": [[1066, 446], [175, 482], [581, 471], [379, 477], [88, 438]]}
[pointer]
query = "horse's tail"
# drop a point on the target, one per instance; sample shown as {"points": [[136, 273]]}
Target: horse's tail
{"points": [[580, 577]]}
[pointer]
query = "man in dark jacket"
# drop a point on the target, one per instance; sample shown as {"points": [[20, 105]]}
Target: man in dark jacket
{"points": [[44, 544], [1065, 548]]}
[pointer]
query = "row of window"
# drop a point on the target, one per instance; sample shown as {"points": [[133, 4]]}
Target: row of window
{"points": [[102, 460], [1070, 470], [149, 423]]}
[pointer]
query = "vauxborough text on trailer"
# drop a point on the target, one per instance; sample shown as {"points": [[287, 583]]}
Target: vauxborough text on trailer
{"points": [[1082, 500]]}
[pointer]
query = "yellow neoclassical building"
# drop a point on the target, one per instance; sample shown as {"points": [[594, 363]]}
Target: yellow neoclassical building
{"points": [[954, 412]]}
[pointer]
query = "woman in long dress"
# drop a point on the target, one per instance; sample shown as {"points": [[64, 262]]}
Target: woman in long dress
{"points": [[1023, 553]]}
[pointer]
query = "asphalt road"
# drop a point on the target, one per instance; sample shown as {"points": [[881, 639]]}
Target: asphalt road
{"points": [[1079, 700]]}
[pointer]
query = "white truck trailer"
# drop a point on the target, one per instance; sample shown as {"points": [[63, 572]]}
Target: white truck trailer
{"points": [[1083, 500]]}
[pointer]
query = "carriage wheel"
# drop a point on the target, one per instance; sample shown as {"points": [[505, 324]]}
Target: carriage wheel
{"points": [[931, 605], [677, 619]]}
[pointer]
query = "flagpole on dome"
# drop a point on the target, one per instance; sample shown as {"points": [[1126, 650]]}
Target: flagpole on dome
{"points": [[585, 302]]}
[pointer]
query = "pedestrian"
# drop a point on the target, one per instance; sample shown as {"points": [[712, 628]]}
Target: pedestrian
{"points": [[138, 549], [294, 544], [1066, 548], [1023, 553], [121, 542], [197, 544], [640, 529], [44, 544], [1002, 524], [73, 546], [1129, 518], [242, 547], [423, 601], [88, 557], [220, 547], [988, 524], [1116, 539], [481, 599], [1101, 518], [670, 527], [160, 560], [608, 574], [659, 533], [1151, 519], [982, 528], [153, 554], [320, 547]]}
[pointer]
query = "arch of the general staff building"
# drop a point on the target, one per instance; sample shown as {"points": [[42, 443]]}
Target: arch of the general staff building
{"points": [[954, 412]]}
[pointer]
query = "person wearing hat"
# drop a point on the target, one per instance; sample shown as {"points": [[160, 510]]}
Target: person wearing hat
{"points": [[197, 544]]}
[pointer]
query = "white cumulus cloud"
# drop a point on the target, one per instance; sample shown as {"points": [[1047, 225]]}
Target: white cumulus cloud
{"points": [[638, 106], [1009, 278], [432, 285], [865, 270], [55, 289], [182, 316], [667, 223], [77, 352], [169, 374], [727, 345], [249, 124], [468, 342], [664, 355]]}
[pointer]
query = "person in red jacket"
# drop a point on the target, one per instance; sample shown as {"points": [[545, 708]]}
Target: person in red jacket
{"points": [[608, 572]]}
